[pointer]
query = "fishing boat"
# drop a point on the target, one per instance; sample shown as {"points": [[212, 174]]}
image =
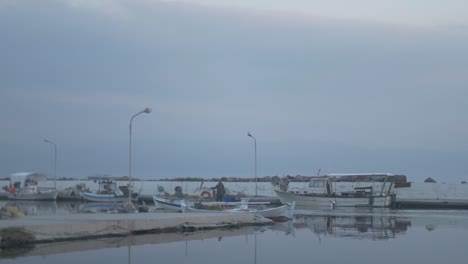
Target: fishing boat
{"points": [[276, 213], [25, 186], [343, 190], [108, 192]]}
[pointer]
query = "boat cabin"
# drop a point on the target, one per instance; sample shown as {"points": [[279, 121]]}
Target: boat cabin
{"points": [[348, 185], [320, 185], [107, 187], [26, 182]]}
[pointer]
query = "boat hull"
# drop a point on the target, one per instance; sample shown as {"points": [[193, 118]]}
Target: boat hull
{"points": [[167, 204], [281, 211], [175, 204], [97, 207], [316, 201], [93, 197]]}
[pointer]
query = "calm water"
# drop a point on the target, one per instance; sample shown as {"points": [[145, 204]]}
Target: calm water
{"points": [[377, 236]]}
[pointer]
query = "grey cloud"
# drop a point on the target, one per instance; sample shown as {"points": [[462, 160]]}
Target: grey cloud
{"points": [[77, 74]]}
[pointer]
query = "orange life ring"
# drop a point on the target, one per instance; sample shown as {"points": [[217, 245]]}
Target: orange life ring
{"points": [[205, 194]]}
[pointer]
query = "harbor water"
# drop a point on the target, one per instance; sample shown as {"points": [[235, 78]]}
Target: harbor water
{"points": [[320, 236], [323, 236]]}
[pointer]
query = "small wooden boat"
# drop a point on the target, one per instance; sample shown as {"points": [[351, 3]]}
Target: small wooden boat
{"points": [[285, 210], [168, 203], [175, 204], [99, 197]]}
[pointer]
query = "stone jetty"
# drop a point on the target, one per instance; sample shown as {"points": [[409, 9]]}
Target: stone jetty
{"points": [[53, 228]]}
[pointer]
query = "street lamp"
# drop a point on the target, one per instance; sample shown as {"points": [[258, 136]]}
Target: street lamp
{"points": [[55, 161], [146, 110], [255, 143]]}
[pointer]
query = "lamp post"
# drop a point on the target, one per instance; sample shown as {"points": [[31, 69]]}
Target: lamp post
{"points": [[146, 110], [255, 144], [55, 161]]}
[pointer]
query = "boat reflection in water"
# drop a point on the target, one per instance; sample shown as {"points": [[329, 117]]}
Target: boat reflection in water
{"points": [[373, 227], [291, 241], [35, 207], [30, 208]]}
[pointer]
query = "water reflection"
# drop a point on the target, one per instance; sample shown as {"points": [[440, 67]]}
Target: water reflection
{"points": [[30, 208], [372, 227], [97, 207], [35, 207], [268, 244]]}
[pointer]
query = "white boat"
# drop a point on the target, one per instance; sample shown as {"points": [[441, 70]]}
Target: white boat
{"points": [[24, 186], [276, 213], [108, 192], [175, 204], [168, 203], [343, 190]]}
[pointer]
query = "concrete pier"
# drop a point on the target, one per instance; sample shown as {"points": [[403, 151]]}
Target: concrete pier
{"points": [[62, 247], [86, 226]]}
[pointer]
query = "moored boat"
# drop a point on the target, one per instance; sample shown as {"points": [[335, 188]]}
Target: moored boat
{"points": [[176, 204], [24, 186], [335, 190], [168, 203], [283, 211], [108, 192]]}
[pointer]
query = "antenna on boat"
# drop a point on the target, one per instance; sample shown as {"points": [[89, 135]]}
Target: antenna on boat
{"points": [[318, 173]]}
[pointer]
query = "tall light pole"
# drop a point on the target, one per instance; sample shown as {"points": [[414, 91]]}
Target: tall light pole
{"points": [[255, 144], [146, 110], [55, 161]]}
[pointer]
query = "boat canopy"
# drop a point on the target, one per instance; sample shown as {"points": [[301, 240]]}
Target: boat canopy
{"points": [[23, 176], [359, 174], [379, 177]]}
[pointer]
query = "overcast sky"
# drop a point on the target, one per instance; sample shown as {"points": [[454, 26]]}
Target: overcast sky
{"points": [[345, 86]]}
